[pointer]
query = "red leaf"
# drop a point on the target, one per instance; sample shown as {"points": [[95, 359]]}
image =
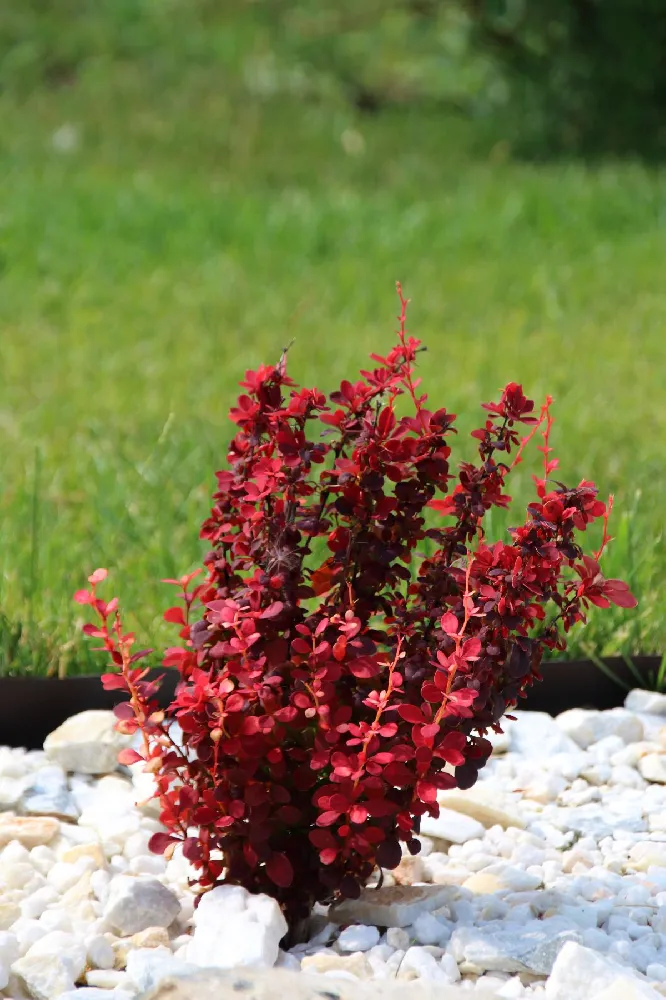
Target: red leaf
{"points": [[410, 713], [129, 756], [471, 649], [364, 667], [449, 623], [323, 578], [98, 576], [618, 593], [159, 842], [93, 630], [173, 656], [114, 682], [174, 615], [280, 871], [358, 814], [83, 597], [327, 818], [123, 711], [328, 855], [426, 791], [272, 611]]}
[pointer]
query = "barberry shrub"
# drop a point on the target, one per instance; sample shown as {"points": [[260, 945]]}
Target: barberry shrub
{"points": [[333, 680]]}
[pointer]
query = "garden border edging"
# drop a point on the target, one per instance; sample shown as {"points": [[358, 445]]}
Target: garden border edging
{"points": [[32, 707]]}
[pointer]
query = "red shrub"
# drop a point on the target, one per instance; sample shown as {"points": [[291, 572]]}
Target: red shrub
{"points": [[331, 688]]}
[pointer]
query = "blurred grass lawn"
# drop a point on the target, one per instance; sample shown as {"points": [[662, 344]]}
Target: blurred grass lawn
{"points": [[162, 232]]}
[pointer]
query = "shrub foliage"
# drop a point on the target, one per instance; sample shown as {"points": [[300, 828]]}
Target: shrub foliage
{"points": [[333, 679]]}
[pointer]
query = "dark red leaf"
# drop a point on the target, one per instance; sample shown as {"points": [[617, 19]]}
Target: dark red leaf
{"points": [[280, 870]]}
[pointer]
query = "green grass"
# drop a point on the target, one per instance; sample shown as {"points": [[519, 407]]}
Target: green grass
{"points": [[197, 226]]}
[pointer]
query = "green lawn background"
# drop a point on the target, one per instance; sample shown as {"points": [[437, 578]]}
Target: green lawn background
{"points": [[160, 232]]}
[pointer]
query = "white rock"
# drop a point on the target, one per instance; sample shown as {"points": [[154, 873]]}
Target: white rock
{"points": [[587, 726], [653, 767], [133, 904], [531, 948], [29, 831], [501, 742], [646, 854], [482, 805], [513, 878], [650, 702], [9, 953], [108, 979], [11, 790], [392, 906], [326, 962], [147, 967], [427, 929], [358, 937], [536, 734], [625, 990], [581, 974], [450, 967], [423, 965], [398, 938], [87, 743], [48, 795], [454, 827], [13, 762], [99, 952], [234, 927], [94, 993], [51, 966]]}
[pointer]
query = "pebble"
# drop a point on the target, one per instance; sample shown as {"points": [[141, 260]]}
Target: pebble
{"points": [[87, 743], [451, 826], [133, 904], [29, 831], [329, 961], [545, 881], [650, 702], [358, 937], [51, 966], [391, 906], [233, 927], [587, 726], [653, 768], [48, 795]]}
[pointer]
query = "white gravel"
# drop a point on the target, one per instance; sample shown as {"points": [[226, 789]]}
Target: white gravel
{"points": [[547, 879]]}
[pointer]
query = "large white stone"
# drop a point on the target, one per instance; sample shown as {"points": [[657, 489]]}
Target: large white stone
{"points": [[480, 804], [282, 984], [87, 743], [452, 826], [148, 967], [587, 726], [133, 904], [51, 966], [650, 702], [653, 768], [536, 735], [392, 906], [233, 927], [582, 974], [532, 948]]}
